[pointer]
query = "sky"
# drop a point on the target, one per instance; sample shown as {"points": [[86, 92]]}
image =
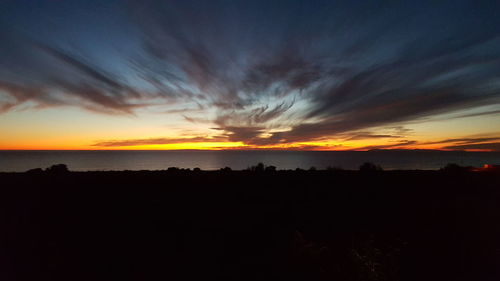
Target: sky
{"points": [[296, 75]]}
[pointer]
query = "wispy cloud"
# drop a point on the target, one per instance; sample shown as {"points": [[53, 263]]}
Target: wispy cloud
{"points": [[266, 73], [402, 144], [490, 112], [368, 135], [490, 146], [469, 140], [65, 79], [156, 141]]}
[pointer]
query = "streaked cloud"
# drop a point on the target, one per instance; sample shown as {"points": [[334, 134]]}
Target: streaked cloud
{"points": [[257, 72], [489, 146], [470, 140], [368, 135], [157, 141], [397, 145]]}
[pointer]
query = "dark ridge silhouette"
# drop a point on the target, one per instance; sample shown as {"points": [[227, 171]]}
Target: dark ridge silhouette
{"points": [[257, 224]]}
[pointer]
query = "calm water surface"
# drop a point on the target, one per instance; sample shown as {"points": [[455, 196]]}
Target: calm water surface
{"points": [[211, 160]]}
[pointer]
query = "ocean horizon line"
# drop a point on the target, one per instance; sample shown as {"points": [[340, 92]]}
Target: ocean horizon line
{"points": [[86, 160]]}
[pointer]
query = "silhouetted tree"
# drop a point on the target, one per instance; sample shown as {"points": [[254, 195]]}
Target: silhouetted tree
{"points": [[58, 168], [334, 168], [270, 169], [35, 171], [226, 169], [454, 168], [259, 168], [368, 166]]}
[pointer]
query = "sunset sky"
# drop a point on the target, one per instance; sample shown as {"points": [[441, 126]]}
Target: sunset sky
{"points": [[310, 75]]}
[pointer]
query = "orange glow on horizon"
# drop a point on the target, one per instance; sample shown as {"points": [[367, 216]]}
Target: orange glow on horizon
{"points": [[305, 146]]}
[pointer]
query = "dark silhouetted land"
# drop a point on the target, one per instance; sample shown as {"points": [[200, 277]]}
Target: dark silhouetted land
{"points": [[260, 224]]}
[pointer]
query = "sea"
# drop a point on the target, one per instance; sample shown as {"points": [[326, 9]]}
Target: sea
{"points": [[20, 161]]}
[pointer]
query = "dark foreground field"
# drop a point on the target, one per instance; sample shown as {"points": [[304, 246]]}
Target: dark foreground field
{"points": [[304, 225]]}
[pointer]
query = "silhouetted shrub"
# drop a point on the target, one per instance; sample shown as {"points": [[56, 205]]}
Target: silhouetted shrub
{"points": [[58, 168], [270, 169], [334, 168], [196, 169], [454, 168], [369, 167], [35, 171], [312, 168], [364, 259], [372, 262], [259, 168], [173, 169], [226, 169]]}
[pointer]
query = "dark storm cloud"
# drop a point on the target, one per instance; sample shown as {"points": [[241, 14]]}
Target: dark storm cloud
{"points": [[269, 72]]}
